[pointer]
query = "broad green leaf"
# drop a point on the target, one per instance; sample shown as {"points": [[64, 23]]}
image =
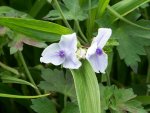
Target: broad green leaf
{"points": [[71, 11], [71, 108], [43, 105], [58, 82], [131, 42], [11, 79], [37, 29], [124, 7], [87, 89]]}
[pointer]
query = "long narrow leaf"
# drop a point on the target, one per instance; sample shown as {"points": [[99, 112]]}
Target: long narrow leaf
{"points": [[101, 7], [40, 30], [87, 89], [21, 96], [126, 6], [9, 79]]}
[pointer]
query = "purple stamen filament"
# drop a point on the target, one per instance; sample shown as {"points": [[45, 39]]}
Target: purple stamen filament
{"points": [[99, 51], [61, 53]]}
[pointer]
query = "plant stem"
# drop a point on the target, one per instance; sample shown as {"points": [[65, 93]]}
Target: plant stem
{"points": [[28, 72], [9, 68], [37, 7], [108, 79], [148, 70], [59, 9], [80, 31], [89, 21], [65, 100]]}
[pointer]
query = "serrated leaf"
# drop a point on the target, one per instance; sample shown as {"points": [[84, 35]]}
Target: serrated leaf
{"points": [[58, 82], [43, 105], [131, 42], [124, 101], [71, 11]]}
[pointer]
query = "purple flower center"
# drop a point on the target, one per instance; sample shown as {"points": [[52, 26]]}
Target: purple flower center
{"points": [[61, 53], [99, 51]]}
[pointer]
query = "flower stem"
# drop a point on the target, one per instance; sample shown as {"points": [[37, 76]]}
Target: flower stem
{"points": [[27, 71], [80, 31], [9, 68], [59, 9]]}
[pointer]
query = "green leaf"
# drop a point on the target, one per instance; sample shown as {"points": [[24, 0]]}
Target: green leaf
{"points": [[37, 29], [102, 5], [123, 101], [71, 108], [124, 7], [144, 99], [58, 82], [131, 42], [21, 96], [71, 11], [43, 105], [87, 89], [10, 12], [11, 79], [106, 94]]}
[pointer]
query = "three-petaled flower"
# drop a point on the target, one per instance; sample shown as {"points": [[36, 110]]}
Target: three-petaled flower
{"points": [[95, 54], [63, 52]]}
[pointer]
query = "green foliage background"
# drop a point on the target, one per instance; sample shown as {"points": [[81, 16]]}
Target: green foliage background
{"points": [[28, 26]]}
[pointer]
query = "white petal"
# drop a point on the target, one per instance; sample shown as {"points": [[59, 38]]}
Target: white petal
{"points": [[51, 49], [99, 62], [50, 55], [72, 62], [91, 50], [102, 37], [68, 42], [54, 59]]}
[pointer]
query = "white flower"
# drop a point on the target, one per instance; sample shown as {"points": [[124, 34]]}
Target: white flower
{"points": [[62, 52], [95, 54]]}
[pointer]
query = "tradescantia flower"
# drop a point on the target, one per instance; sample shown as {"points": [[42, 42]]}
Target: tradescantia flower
{"points": [[95, 54], [62, 52]]}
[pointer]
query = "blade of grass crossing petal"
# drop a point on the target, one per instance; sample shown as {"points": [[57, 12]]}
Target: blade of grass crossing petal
{"points": [[22, 97], [87, 89]]}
